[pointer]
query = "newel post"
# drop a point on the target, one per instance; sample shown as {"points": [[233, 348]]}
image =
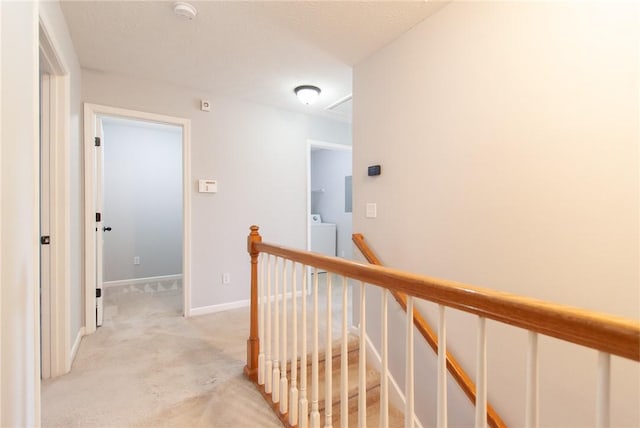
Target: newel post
{"points": [[253, 344]]}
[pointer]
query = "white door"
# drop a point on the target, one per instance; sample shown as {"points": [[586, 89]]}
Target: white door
{"points": [[100, 229], [45, 221]]}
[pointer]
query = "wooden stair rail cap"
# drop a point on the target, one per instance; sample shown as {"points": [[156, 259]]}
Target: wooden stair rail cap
{"points": [[613, 335]]}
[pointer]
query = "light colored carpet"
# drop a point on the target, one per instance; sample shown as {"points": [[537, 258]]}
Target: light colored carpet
{"points": [[147, 366]]}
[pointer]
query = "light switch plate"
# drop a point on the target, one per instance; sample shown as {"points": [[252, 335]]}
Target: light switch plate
{"points": [[207, 186], [372, 210]]}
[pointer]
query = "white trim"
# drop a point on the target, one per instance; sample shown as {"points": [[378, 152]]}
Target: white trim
{"points": [[329, 146], [74, 348], [186, 215], [134, 281], [1, 208], [308, 197], [91, 112], [204, 310], [287, 295], [221, 307]]}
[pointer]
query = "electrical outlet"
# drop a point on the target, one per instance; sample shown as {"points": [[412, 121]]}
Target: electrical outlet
{"points": [[226, 278], [136, 260]]}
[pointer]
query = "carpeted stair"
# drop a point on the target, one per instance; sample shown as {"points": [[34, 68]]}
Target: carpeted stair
{"points": [[396, 418]]}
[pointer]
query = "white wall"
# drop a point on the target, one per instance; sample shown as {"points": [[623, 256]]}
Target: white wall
{"points": [[508, 138], [328, 171], [20, 372], [142, 199], [257, 154]]}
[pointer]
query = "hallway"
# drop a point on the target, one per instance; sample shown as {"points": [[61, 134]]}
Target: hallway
{"points": [[148, 366]]}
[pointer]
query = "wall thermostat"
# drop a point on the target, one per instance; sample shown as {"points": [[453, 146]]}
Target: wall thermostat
{"points": [[374, 170], [207, 186], [205, 105]]}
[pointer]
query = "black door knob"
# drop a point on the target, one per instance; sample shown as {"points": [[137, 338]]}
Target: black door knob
{"points": [[107, 229]]}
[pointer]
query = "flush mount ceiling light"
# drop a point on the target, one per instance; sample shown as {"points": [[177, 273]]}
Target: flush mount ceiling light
{"points": [[184, 10], [307, 94]]}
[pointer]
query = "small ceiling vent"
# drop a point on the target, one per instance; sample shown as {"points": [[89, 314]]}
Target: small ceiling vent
{"points": [[342, 107]]}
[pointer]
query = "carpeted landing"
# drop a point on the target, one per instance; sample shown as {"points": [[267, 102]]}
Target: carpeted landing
{"points": [[149, 367]]}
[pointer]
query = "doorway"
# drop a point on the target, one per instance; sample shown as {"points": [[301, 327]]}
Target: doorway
{"points": [[329, 218], [141, 217], [45, 217], [137, 188]]}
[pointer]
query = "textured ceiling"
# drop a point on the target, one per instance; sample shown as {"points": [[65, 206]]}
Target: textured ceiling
{"points": [[252, 50]]}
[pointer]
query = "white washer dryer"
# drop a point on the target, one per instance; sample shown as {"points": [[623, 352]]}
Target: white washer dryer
{"points": [[323, 237]]}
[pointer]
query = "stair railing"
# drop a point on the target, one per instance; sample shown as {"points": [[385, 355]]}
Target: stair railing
{"points": [[423, 327], [605, 334]]}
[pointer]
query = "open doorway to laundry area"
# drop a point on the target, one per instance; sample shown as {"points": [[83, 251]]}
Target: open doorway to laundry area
{"points": [[138, 189], [329, 196], [329, 209]]}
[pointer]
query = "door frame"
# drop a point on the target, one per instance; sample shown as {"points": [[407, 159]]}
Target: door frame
{"points": [[91, 113], [58, 354], [317, 144]]}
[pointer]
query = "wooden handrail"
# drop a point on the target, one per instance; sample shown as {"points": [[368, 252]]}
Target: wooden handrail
{"points": [[613, 335], [421, 324]]}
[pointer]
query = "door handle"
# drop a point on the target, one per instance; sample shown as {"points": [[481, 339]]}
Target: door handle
{"points": [[106, 229]]}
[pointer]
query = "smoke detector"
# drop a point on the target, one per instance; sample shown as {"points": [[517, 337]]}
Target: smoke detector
{"points": [[184, 10]]}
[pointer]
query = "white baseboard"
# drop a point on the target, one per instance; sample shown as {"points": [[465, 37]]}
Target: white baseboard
{"points": [[204, 310], [75, 347], [288, 295], [175, 277]]}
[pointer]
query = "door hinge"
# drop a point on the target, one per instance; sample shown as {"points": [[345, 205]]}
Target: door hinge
{"points": [[98, 217], [96, 141], [45, 240], [98, 292]]}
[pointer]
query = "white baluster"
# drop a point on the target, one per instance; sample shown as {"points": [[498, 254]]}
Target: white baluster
{"points": [[284, 382], [362, 361], [384, 378], [328, 369], [293, 392], [303, 412], [268, 384], [481, 380], [261, 318], [532, 394], [603, 394], [315, 413], [442, 369], [409, 408], [275, 393], [344, 360]]}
